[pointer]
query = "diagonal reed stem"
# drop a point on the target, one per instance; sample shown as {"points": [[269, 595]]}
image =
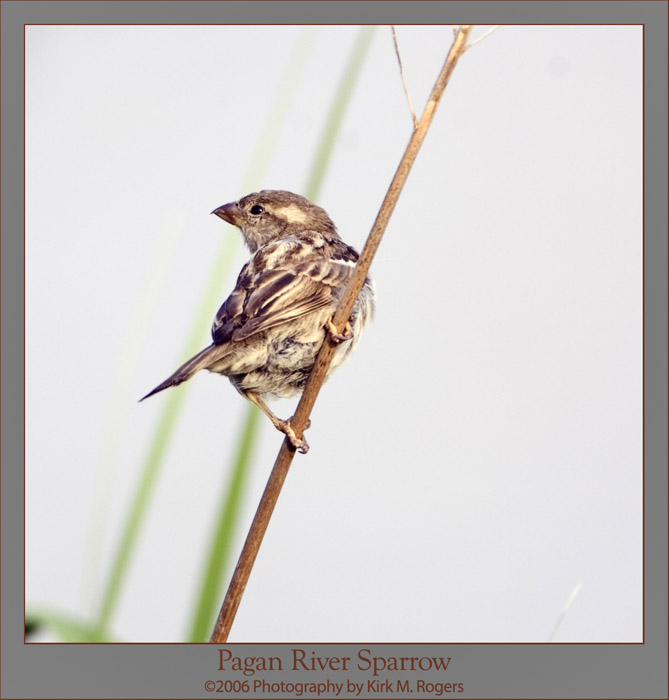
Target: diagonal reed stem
{"points": [[287, 452]]}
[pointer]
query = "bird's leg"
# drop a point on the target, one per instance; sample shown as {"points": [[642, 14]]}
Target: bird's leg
{"points": [[300, 444], [335, 336]]}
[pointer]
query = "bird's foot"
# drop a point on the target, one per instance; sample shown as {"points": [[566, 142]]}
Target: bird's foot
{"points": [[300, 444], [335, 336]]}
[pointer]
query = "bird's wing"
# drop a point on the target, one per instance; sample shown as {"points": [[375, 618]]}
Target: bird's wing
{"points": [[277, 296], [231, 314]]}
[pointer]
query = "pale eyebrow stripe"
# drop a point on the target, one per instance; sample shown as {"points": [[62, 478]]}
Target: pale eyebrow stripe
{"points": [[291, 213]]}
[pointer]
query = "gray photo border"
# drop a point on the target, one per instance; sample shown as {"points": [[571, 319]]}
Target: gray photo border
{"points": [[487, 670]]}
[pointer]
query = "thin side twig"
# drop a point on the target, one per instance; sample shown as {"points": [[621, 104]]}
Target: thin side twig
{"points": [[404, 82], [482, 37], [287, 452]]}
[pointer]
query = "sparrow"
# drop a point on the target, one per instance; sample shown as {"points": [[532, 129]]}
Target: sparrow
{"points": [[267, 333]]}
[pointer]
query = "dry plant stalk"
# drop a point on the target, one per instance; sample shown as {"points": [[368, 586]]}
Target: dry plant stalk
{"points": [[287, 452]]}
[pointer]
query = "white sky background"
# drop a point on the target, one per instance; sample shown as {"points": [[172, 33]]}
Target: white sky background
{"points": [[478, 456]]}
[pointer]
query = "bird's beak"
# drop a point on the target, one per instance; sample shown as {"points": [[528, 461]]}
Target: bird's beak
{"points": [[230, 213]]}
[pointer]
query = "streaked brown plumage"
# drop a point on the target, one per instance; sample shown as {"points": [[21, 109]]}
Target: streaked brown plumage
{"points": [[266, 335]]}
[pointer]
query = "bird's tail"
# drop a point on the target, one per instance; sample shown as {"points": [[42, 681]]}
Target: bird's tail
{"points": [[201, 361]]}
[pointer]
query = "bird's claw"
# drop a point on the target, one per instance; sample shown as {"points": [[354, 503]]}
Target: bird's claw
{"points": [[300, 444], [335, 336]]}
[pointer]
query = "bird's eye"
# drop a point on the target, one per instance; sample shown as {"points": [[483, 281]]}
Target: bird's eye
{"points": [[256, 209]]}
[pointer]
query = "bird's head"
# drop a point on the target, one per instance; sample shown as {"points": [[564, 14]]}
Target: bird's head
{"points": [[270, 215]]}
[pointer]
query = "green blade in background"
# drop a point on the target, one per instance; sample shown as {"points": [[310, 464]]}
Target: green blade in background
{"points": [[64, 626], [335, 117], [224, 530]]}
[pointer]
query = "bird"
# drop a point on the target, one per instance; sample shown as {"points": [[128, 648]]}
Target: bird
{"points": [[267, 333]]}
